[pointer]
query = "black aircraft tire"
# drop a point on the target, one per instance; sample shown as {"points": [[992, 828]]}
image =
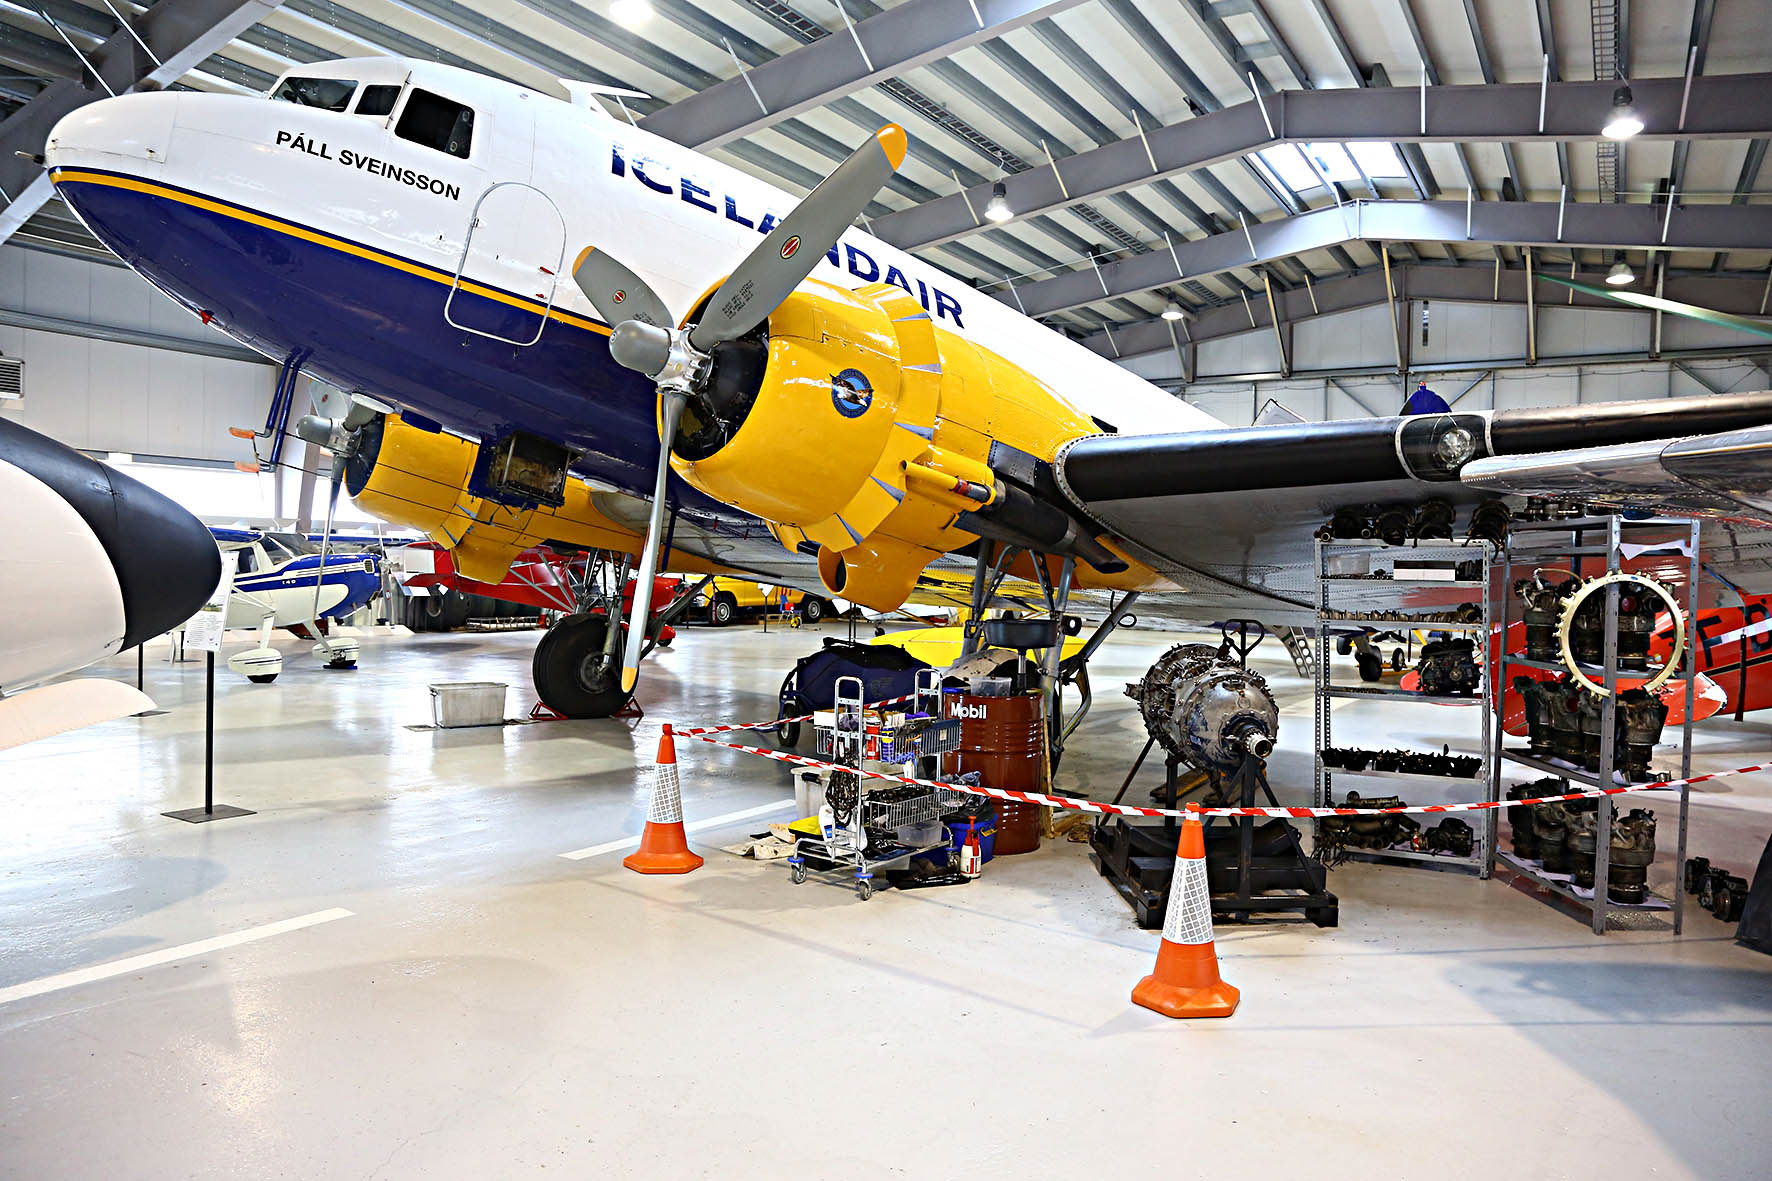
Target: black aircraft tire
{"points": [[1371, 666], [812, 609], [559, 665], [722, 610]]}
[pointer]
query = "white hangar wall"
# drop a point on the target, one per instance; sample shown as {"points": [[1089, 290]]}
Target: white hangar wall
{"points": [[1344, 365], [176, 401]]}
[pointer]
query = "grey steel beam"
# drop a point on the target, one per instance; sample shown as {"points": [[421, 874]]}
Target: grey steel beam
{"points": [[135, 336], [1745, 184], [1547, 45], [1488, 71], [180, 33], [896, 41], [1722, 107], [1702, 13], [1437, 282], [1433, 79], [1514, 223]]}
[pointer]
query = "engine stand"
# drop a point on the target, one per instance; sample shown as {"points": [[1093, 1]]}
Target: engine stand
{"points": [[1250, 869]]}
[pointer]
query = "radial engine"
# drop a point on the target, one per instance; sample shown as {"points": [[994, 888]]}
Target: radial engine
{"points": [[1205, 710]]}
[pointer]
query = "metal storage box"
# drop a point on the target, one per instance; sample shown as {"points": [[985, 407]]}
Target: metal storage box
{"points": [[468, 703]]}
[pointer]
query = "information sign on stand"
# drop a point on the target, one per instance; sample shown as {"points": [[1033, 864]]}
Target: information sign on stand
{"points": [[204, 634]]}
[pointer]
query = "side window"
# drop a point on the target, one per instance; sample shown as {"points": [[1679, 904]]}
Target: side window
{"points": [[245, 564], [331, 94], [437, 122], [378, 100]]}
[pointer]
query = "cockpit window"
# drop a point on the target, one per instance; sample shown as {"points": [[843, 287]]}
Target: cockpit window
{"points": [[329, 94], [437, 122], [378, 100]]}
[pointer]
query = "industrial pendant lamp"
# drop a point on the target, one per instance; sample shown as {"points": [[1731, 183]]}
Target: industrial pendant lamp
{"points": [[997, 209], [1172, 311], [1623, 122], [1620, 275]]}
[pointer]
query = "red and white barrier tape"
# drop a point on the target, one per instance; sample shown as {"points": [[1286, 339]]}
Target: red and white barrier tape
{"points": [[1030, 797], [698, 731]]}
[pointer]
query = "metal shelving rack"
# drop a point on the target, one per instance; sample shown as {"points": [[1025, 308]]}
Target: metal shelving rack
{"points": [[1399, 604], [1523, 552]]}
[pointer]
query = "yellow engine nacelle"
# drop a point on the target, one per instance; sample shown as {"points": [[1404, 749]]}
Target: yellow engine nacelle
{"points": [[419, 479], [850, 422]]}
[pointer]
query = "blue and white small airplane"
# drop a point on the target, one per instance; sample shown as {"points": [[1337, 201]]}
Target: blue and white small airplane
{"points": [[283, 581]]}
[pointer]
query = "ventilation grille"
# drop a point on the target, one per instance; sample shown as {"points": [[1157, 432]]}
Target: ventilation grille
{"points": [[12, 377]]}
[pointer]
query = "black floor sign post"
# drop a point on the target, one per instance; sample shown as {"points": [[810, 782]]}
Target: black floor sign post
{"points": [[205, 632]]}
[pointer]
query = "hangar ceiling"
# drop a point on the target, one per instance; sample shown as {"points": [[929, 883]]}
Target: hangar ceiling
{"points": [[1190, 151]]}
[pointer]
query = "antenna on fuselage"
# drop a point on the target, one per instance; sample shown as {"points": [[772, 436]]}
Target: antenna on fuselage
{"points": [[579, 94]]}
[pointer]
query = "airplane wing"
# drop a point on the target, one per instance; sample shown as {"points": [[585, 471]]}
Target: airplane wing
{"points": [[1727, 475], [1229, 515]]}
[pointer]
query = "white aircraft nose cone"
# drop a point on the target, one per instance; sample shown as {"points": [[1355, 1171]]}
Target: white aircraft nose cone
{"points": [[115, 132]]}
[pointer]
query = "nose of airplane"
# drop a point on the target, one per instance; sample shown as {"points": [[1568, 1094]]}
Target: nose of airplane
{"points": [[122, 132], [166, 562]]}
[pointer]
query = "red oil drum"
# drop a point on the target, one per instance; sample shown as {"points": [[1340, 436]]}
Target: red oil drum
{"points": [[1004, 740]]}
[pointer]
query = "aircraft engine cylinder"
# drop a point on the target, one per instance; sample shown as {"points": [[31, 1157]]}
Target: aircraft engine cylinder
{"points": [[1205, 710]]}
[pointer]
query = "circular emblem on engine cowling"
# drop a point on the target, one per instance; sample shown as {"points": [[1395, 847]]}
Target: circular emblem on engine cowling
{"points": [[851, 393], [790, 246]]}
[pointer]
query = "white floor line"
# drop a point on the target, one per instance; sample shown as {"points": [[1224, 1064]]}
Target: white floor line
{"points": [[692, 826], [136, 963]]}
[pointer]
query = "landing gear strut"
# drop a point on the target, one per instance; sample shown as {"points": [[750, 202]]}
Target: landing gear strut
{"points": [[578, 663]]}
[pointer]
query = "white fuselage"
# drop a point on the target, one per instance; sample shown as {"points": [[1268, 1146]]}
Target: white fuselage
{"points": [[500, 229]]}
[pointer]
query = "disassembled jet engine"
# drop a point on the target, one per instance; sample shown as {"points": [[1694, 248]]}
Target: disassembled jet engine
{"points": [[1722, 893], [1205, 710], [1448, 667], [1337, 834], [1544, 606]]}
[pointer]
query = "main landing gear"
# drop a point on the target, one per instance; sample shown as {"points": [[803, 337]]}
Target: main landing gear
{"points": [[578, 663], [577, 672]]}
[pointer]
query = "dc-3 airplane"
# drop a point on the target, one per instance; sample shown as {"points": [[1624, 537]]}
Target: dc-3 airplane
{"points": [[835, 412], [94, 562], [282, 581]]}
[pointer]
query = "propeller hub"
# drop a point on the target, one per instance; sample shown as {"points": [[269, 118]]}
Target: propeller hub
{"points": [[644, 348]]}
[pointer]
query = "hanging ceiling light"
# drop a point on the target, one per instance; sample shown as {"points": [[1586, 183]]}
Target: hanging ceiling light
{"points": [[631, 14], [1623, 122], [1172, 311], [997, 209], [1620, 275]]}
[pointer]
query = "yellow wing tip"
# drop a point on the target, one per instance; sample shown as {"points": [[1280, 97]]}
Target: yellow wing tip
{"points": [[894, 142]]}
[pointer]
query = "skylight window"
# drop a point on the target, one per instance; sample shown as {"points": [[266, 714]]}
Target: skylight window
{"points": [[1289, 161]]}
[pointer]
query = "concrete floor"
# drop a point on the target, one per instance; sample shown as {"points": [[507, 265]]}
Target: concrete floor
{"points": [[487, 1008]]}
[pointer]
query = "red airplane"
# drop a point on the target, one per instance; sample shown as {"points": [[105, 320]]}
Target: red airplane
{"points": [[542, 579]]}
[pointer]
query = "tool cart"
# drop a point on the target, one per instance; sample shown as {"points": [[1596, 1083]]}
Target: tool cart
{"points": [[869, 826]]}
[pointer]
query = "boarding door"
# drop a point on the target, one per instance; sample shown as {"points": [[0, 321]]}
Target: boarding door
{"points": [[515, 244]]}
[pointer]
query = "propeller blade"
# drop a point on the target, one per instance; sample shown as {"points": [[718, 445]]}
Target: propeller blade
{"points": [[616, 292], [787, 255], [670, 408]]}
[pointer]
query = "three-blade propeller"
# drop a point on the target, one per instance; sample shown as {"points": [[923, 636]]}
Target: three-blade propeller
{"points": [[643, 338]]}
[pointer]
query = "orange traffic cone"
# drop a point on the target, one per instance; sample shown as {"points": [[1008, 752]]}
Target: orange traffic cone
{"points": [[1186, 982], [664, 848]]}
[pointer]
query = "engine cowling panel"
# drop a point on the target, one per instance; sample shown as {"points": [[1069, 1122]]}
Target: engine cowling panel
{"points": [[865, 433]]}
